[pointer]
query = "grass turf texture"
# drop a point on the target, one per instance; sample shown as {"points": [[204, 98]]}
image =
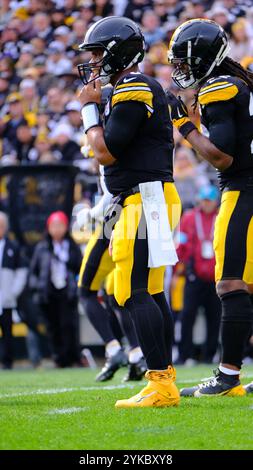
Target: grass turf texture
{"points": [[52, 409]]}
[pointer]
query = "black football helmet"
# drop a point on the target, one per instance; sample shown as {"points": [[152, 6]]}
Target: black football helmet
{"points": [[122, 42], [196, 48]]}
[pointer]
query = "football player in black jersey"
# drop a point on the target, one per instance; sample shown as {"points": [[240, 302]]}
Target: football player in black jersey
{"points": [[199, 52], [135, 146]]}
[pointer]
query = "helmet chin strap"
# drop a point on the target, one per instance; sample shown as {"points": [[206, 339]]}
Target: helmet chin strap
{"points": [[105, 79]]}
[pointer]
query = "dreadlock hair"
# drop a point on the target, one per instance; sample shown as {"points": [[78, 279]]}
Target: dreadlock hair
{"points": [[230, 67]]}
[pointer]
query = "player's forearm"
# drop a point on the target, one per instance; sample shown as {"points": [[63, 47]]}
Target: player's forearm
{"points": [[97, 142], [209, 151]]}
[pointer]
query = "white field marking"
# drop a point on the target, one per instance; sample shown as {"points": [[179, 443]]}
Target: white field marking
{"points": [[67, 411], [55, 391], [204, 379]]}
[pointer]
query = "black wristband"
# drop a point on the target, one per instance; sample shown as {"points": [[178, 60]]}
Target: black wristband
{"points": [[186, 128]]}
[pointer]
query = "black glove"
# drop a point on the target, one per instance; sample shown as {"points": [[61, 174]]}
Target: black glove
{"points": [[179, 114]]}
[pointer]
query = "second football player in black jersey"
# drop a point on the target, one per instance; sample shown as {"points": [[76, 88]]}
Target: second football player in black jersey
{"points": [[199, 52]]}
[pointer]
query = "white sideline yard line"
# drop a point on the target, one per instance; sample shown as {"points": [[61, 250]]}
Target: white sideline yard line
{"points": [[203, 379], [55, 391], [67, 411]]}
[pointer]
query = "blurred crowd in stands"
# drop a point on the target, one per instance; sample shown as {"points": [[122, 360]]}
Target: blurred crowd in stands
{"points": [[39, 112]]}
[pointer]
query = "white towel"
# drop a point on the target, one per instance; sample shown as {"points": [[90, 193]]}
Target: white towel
{"points": [[161, 247]]}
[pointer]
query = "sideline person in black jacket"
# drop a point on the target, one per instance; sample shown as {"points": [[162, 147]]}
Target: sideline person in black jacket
{"points": [[53, 271], [13, 276]]}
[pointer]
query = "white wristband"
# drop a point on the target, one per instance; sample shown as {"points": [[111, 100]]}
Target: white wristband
{"points": [[90, 115]]}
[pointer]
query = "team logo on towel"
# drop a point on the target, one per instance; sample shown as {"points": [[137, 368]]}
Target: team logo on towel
{"points": [[155, 215]]}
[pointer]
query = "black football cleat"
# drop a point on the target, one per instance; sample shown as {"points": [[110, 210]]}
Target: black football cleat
{"points": [[111, 366], [249, 387], [136, 371], [219, 385]]}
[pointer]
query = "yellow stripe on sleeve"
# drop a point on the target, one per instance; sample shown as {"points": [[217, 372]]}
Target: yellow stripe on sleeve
{"points": [[142, 96], [132, 84], [214, 85], [224, 93]]}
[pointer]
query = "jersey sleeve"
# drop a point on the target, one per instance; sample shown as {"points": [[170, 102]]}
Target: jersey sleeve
{"points": [[134, 88], [222, 126], [222, 88]]}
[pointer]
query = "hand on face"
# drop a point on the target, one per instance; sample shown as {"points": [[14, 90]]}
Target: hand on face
{"points": [[91, 93]]}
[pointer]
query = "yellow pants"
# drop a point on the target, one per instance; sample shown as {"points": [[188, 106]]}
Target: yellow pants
{"points": [[130, 251], [97, 263], [233, 237]]}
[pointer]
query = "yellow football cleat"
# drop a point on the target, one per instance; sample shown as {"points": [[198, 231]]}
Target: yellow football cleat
{"points": [[161, 391]]}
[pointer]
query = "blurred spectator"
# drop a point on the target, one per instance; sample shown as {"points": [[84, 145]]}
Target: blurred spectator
{"points": [[57, 63], [86, 12], [196, 255], [160, 10], [42, 27], [187, 176], [79, 29], [53, 271], [25, 59], [152, 30], [62, 34], [221, 15], [58, 15], [102, 8], [14, 118], [249, 23], [9, 42], [135, 9], [158, 54], [39, 45], [5, 13], [237, 9], [241, 43], [42, 149], [63, 144], [73, 118], [4, 86], [7, 67], [13, 275], [198, 9], [25, 140], [174, 9], [55, 104], [30, 97]]}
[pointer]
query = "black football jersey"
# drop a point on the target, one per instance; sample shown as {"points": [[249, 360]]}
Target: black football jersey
{"points": [[149, 154], [226, 105]]}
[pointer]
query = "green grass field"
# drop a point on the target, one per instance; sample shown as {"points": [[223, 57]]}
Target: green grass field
{"points": [[66, 409]]}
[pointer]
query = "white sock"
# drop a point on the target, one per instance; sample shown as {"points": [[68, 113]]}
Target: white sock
{"points": [[227, 371], [135, 355], [112, 348]]}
